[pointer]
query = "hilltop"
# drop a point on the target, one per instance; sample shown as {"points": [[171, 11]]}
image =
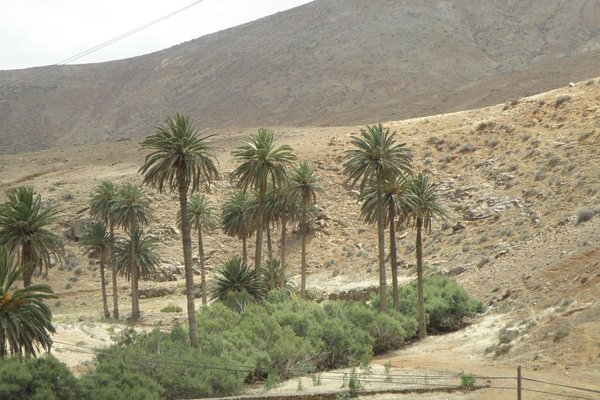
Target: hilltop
{"points": [[327, 63]]}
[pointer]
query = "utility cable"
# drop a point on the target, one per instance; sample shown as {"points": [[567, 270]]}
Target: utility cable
{"points": [[104, 44]]}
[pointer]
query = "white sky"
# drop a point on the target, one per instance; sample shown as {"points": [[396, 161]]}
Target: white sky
{"points": [[44, 32]]}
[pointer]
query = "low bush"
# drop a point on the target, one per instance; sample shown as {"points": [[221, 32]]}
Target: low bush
{"points": [[37, 379], [277, 339], [584, 214], [447, 304]]}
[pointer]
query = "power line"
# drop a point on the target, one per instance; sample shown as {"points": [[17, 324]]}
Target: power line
{"points": [[558, 384], [105, 44], [125, 35], [557, 394], [365, 377]]}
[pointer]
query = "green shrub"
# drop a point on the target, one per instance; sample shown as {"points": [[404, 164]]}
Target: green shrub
{"points": [[388, 332], [447, 304], [37, 379], [171, 309], [467, 381], [584, 214]]}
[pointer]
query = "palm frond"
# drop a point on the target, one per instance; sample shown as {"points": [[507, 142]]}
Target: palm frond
{"points": [[261, 162], [146, 260], [375, 155], [179, 156], [201, 212], [103, 197], [238, 215], [24, 221], [131, 208], [423, 201], [235, 276], [25, 320], [304, 184]]}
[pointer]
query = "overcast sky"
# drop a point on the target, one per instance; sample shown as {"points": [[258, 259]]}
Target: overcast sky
{"points": [[44, 32]]}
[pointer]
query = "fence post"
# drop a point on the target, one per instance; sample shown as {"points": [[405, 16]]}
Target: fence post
{"points": [[519, 383]]}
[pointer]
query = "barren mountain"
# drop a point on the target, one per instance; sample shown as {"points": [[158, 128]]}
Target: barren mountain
{"points": [[327, 63]]}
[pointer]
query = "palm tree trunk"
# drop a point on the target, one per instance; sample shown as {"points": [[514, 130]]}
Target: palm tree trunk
{"points": [[244, 250], [381, 243], [202, 268], [103, 285], [187, 262], [394, 257], [283, 239], [135, 295], [303, 271], [259, 225], [421, 299], [113, 269], [269, 244], [26, 260]]}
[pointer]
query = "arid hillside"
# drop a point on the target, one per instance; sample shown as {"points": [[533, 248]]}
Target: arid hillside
{"points": [[520, 181], [327, 63]]}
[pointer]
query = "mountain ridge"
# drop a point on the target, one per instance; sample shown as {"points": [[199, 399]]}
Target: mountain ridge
{"points": [[326, 63]]}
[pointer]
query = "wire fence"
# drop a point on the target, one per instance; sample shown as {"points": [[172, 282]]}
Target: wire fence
{"points": [[389, 380]]}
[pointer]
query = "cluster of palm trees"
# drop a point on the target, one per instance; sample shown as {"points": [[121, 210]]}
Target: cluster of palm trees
{"points": [[126, 207], [181, 160], [278, 198], [272, 193], [393, 197]]}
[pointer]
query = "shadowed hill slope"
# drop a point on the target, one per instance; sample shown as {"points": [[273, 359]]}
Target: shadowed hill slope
{"points": [[330, 62]]}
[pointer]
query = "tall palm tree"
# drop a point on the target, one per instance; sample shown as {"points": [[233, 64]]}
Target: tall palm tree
{"points": [[237, 219], [25, 320], [24, 226], [96, 238], [423, 206], [204, 218], [136, 258], [131, 211], [261, 162], [283, 209], [394, 193], [375, 156], [304, 185], [101, 203], [180, 160]]}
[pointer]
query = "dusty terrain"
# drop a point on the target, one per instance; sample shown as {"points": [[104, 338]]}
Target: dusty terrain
{"points": [[517, 176], [329, 62]]}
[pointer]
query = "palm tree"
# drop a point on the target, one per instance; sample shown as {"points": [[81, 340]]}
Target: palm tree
{"points": [[304, 185], [101, 204], [236, 277], [423, 206], [24, 228], [131, 211], [203, 217], [282, 209], [394, 192], [261, 162], [25, 320], [272, 274], [96, 238], [136, 258], [180, 160], [237, 219], [376, 156]]}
